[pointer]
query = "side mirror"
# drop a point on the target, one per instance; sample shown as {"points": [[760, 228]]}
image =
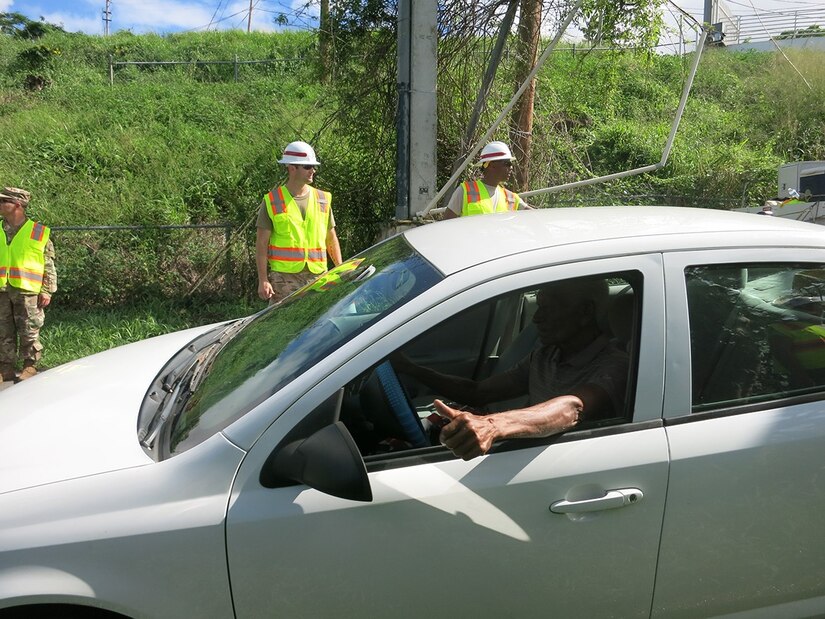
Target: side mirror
{"points": [[327, 460]]}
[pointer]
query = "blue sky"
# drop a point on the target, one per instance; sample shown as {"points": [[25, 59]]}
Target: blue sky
{"points": [[163, 16]]}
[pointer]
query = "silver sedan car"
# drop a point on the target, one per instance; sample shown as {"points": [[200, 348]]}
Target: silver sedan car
{"points": [[291, 465]]}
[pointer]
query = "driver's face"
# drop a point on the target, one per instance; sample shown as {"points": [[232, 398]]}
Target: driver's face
{"points": [[558, 315]]}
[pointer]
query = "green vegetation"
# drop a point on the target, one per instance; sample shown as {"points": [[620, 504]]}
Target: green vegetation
{"points": [[190, 144], [72, 333]]}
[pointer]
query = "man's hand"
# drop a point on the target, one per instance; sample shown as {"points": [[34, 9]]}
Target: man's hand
{"points": [[467, 435], [43, 300], [265, 291]]}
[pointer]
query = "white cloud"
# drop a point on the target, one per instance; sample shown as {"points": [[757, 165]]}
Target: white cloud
{"points": [[5, 5], [76, 23], [158, 15]]}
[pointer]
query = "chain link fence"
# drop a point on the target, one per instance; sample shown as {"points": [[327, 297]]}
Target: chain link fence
{"points": [[107, 266], [118, 265]]}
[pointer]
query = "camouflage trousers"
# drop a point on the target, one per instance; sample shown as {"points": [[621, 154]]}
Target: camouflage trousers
{"points": [[284, 284], [20, 324]]}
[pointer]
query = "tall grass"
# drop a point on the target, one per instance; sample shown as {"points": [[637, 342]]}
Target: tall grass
{"points": [[72, 333]]}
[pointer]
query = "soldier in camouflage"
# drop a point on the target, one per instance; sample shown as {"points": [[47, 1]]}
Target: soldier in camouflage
{"points": [[28, 279]]}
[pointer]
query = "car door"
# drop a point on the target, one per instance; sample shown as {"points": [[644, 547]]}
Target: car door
{"points": [[564, 526], [745, 404]]}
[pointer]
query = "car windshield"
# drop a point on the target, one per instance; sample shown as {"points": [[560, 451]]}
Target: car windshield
{"points": [[298, 333]]}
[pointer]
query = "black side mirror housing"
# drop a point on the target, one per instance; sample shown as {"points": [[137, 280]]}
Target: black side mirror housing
{"points": [[327, 460]]}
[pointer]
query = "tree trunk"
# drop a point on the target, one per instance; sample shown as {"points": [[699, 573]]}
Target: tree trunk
{"points": [[521, 128]]}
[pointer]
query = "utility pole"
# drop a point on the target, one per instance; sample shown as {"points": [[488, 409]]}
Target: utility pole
{"points": [[249, 18], [416, 117], [711, 9], [107, 17]]}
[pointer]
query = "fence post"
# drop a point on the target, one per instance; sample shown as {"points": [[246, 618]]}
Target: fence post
{"points": [[227, 237], [236, 67], [111, 71]]}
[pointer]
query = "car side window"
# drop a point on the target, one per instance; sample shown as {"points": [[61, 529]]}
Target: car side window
{"points": [[757, 333], [390, 409]]}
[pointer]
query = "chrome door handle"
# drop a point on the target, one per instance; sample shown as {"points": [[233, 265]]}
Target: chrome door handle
{"points": [[611, 500]]}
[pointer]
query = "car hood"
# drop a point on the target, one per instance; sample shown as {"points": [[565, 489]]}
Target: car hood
{"points": [[80, 418]]}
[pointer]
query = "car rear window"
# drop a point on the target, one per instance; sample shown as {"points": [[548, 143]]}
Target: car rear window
{"points": [[757, 333]]}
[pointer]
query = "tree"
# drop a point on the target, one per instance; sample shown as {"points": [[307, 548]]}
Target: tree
{"points": [[20, 26], [529, 34]]}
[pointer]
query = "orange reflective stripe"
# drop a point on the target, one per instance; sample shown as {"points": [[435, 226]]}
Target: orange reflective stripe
{"points": [[296, 253], [473, 192], [23, 274], [2, 271], [285, 253], [38, 231], [323, 203], [276, 202], [511, 199]]}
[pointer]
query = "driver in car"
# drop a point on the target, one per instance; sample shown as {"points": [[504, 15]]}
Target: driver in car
{"points": [[575, 374]]}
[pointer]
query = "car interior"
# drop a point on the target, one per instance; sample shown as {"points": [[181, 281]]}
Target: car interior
{"points": [[387, 411]]}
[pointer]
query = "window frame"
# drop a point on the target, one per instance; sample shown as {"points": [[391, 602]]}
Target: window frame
{"points": [[463, 290]]}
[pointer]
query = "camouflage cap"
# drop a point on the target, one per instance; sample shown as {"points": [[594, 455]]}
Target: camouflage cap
{"points": [[15, 193]]}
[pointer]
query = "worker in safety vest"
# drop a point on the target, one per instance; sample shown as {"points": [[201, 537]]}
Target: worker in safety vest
{"points": [[798, 344], [28, 279], [487, 195], [296, 229]]}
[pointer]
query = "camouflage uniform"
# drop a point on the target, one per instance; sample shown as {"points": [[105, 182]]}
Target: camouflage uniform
{"points": [[20, 317]]}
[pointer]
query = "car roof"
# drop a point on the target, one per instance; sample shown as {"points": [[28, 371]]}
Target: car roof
{"points": [[464, 242]]}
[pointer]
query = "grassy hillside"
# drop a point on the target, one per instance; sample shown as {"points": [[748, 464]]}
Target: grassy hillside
{"points": [[189, 144]]}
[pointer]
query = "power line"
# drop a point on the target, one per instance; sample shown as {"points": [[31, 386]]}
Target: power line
{"points": [[217, 8]]}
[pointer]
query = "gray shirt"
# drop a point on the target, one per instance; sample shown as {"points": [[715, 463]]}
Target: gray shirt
{"points": [[543, 376]]}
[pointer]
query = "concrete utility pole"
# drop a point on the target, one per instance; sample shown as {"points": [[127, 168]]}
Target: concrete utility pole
{"points": [[249, 18], [107, 17], [416, 118], [711, 11]]}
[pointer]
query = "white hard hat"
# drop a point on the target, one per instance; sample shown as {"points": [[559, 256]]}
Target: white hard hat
{"points": [[299, 153], [495, 151]]}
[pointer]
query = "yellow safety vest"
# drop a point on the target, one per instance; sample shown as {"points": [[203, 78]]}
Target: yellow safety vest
{"points": [[297, 241], [23, 261], [332, 278], [805, 341], [477, 200]]}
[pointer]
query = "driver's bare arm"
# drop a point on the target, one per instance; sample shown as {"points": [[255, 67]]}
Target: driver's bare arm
{"points": [[468, 435]]}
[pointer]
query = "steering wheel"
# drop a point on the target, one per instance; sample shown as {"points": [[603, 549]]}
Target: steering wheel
{"points": [[400, 405]]}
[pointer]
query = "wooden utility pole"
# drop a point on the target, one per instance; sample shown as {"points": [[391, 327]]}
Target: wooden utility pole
{"points": [[521, 128], [249, 18]]}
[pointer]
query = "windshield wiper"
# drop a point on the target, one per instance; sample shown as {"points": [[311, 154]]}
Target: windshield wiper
{"points": [[179, 383]]}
